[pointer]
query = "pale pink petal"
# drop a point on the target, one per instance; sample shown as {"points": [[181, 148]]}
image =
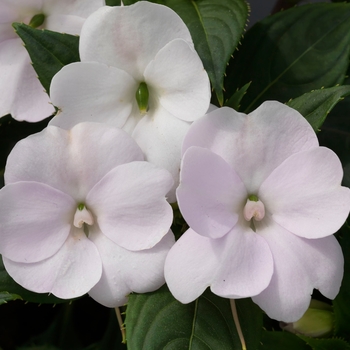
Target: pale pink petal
{"points": [[92, 92], [35, 221], [71, 161], [160, 137], [256, 144], [305, 196], [130, 205], [185, 92], [64, 23], [237, 265], [126, 271], [81, 8], [211, 195], [134, 35], [300, 265], [70, 273], [21, 93]]}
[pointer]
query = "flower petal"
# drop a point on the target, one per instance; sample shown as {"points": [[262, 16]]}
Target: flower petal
{"points": [[160, 137], [71, 161], [237, 265], [92, 92], [305, 196], [65, 24], [35, 221], [134, 35], [70, 273], [125, 271], [178, 78], [130, 206], [210, 194], [21, 93], [242, 140], [300, 265]]}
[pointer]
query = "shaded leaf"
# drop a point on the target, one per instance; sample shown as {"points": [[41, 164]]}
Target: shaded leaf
{"points": [[235, 100], [292, 52], [5, 297], [326, 344], [281, 340], [216, 27], [316, 105], [49, 51], [157, 321]]}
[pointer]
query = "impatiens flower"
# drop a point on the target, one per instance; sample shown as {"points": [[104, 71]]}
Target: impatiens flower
{"points": [[22, 95], [140, 72], [262, 200], [81, 212]]}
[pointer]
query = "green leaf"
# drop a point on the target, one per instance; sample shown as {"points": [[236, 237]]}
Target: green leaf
{"points": [[216, 27], [316, 105], [8, 284], [5, 297], [113, 2], [49, 51], [292, 52], [235, 100], [341, 302], [281, 341], [156, 321], [326, 344]]}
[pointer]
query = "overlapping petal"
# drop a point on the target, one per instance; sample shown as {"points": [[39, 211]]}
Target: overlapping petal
{"points": [[211, 195], [300, 265], [249, 143], [237, 265], [125, 271], [70, 273], [185, 95], [130, 206], [305, 195], [35, 221], [70, 161], [132, 41], [112, 91]]}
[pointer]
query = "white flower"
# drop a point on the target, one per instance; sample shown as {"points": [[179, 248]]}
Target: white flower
{"points": [[22, 95], [262, 200], [81, 212], [144, 50]]}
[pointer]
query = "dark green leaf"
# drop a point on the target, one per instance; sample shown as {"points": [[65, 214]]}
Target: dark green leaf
{"points": [[9, 285], [49, 51], [281, 341], [156, 321], [5, 297], [326, 344], [341, 302], [113, 2], [216, 27], [292, 52], [235, 101], [316, 105]]}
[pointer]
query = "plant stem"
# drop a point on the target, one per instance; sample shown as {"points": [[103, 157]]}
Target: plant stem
{"points": [[238, 326], [121, 324]]}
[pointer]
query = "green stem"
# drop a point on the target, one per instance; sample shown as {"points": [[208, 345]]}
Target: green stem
{"points": [[238, 326]]}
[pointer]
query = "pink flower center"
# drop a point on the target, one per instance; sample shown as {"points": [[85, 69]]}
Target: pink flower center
{"points": [[254, 209], [82, 216]]}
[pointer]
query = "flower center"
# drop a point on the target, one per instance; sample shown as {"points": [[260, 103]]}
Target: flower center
{"points": [[82, 216], [37, 20], [142, 97], [254, 209]]}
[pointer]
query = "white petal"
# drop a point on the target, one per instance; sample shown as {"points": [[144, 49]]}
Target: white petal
{"points": [[21, 93], [130, 206], [160, 137], [125, 271], [237, 265], [35, 221], [71, 161], [134, 35], [92, 92], [305, 196], [300, 265], [70, 273], [64, 24], [211, 196], [178, 78], [256, 144]]}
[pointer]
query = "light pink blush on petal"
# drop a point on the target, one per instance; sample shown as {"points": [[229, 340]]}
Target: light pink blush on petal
{"points": [[211, 195], [35, 221], [70, 273]]}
